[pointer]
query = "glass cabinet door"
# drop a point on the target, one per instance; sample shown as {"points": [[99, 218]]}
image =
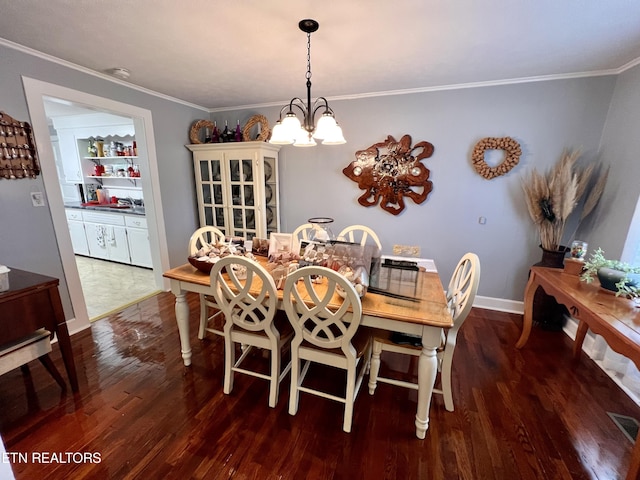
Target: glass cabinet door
{"points": [[237, 188], [271, 194], [212, 195], [243, 197]]}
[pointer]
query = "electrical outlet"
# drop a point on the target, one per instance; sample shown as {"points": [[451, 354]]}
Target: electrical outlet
{"points": [[406, 250]]}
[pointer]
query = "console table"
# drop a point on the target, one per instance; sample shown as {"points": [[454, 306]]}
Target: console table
{"points": [[616, 319], [31, 303]]}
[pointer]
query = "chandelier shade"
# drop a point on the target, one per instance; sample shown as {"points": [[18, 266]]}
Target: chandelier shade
{"points": [[290, 129]]}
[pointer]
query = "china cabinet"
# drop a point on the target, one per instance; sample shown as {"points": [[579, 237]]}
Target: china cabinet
{"points": [[237, 187]]}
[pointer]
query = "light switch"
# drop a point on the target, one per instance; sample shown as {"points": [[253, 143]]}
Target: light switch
{"points": [[37, 198], [482, 220]]}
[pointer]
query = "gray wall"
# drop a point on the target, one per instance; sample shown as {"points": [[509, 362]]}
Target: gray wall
{"points": [[621, 147], [27, 239], [545, 117]]}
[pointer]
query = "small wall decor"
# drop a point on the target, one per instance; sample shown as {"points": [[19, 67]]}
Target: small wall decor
{"points": [[194, 133], [263, 129], [512, 157], [388, 172], [18, 155]]}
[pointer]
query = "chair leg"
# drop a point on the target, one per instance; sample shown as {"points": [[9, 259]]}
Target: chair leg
{"points": [[229, 361], [374, 368], [294, 393], [445, 379], [275, 376], [204, 314], [53, 371], [349, 399]]}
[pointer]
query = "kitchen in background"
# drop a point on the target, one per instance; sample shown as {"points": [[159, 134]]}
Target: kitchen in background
{"points": [[96, 161]]}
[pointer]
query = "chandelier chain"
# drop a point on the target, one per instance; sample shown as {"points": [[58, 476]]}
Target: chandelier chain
{"points": [[308, 76], [302, 131]]}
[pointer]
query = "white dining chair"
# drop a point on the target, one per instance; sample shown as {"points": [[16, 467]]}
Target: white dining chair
{"points": [[460, 295], [359, 234], [202, 236], [325, 335], [252, 319], [302, 233]]}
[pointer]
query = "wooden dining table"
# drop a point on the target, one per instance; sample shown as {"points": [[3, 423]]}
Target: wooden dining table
{"points": [[425, 314]]}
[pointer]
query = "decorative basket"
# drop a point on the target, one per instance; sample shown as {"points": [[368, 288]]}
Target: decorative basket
{"points": [[203, 266], [265, 132]]}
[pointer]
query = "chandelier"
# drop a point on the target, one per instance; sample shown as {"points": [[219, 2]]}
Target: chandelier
{"points": [[289, 129]]}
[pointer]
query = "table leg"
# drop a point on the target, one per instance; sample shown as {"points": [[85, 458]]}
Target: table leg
{"points": [[583, 327], [527, 321], [182, 319], [427, 371], [64, 342], [67, 355]]}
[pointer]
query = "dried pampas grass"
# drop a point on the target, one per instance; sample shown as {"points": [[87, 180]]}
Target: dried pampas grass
{"points": [[552, 197]]}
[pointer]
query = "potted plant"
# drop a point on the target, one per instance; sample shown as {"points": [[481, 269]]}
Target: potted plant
{"points": [[614, 275], [553, 196]]}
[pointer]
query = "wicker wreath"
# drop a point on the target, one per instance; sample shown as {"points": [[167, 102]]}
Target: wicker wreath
{"points": [[194, 133], [509, 145], [264, 128]]}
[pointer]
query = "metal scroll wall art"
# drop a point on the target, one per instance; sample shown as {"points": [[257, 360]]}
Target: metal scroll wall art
{"points": [[388, 172], [18, 156]]}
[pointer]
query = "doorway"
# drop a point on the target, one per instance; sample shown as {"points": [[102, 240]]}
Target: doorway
{"points": [[107, 286], [36, 93]]}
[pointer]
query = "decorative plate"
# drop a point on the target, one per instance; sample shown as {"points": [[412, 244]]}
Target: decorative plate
{"points": [[268, 171], [269, 215]]}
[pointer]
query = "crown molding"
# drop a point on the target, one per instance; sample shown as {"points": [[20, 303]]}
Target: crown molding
{"points": [[94, 73], [439, 88], [409, 91]]}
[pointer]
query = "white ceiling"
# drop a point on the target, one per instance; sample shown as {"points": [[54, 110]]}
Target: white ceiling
{"points": [[246, 52]]}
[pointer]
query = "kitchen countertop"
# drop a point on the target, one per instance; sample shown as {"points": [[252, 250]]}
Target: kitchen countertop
{"points": [[136, 210]]}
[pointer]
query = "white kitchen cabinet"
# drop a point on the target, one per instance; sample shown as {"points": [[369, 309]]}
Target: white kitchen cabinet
{"points": [[77, 232], [237, 187], [69, 157], [107, 236], [138, 238]]}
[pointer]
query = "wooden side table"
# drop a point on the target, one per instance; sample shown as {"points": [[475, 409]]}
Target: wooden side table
{"points": [[31, 303], [616, 319]]}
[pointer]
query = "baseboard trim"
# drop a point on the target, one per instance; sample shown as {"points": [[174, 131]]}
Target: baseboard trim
{"points": [[74, 327], [570, 329], [488, 303], [499, 304]]}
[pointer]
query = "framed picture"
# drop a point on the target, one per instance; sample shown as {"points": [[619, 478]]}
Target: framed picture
{"points": [[260, 247], [280, 242]]}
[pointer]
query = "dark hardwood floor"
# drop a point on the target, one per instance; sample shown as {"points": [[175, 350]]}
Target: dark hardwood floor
{"points": [[530, 414]]}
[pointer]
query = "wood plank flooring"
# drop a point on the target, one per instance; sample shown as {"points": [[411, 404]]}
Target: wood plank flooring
{"points": [[530, 414]]}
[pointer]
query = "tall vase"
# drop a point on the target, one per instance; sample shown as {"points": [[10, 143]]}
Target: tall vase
{"points": [[549, 314], [552, 258]]}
